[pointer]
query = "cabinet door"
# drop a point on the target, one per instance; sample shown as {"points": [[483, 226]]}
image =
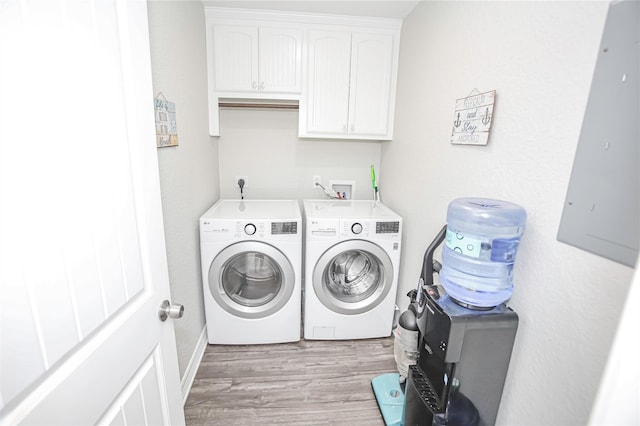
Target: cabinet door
{"points": [[236, 58], [280, 60], [370, 91], [328, 86]]}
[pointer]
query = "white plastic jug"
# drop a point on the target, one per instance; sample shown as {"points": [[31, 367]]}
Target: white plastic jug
{"points": [[480, 249]]}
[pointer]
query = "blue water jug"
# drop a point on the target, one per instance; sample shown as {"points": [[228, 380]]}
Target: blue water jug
{"points": [[480, 249]]}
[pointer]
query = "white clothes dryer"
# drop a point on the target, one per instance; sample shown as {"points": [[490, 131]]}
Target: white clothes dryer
{"points": [[251, 253], [352, 258]]}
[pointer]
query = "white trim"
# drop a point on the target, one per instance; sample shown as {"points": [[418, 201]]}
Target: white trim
{"points": [[194, 363], [617, 399], [300, 18]]}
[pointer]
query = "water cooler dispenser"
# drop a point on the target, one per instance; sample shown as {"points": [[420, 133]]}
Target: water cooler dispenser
{"points": [[462, 365], [466, 330]]}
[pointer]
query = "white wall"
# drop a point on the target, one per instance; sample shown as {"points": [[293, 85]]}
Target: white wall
{"points": [[539, 57], [188, 172], [263, 145]]}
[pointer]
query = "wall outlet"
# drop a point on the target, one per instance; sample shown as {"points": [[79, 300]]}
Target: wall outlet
{"points": [[237, 178], [316, 180]]}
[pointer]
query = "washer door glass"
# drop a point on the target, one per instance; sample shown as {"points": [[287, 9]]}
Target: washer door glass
{"points": [[251, 279], [353, 276]]}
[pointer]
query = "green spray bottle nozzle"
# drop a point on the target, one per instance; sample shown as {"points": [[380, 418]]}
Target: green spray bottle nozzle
{"points": [[374, 184], [373, 177]]}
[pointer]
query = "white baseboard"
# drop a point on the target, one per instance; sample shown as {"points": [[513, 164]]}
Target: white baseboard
{"points": [[194, 363]]}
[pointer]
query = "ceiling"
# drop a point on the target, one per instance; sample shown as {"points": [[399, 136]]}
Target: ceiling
{"points": [[391, 9]]}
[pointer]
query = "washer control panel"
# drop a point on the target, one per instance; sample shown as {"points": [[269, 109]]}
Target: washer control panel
{"points": [[356, 227], [369, 228], [353, 228], [323, 228], [387, 227]]}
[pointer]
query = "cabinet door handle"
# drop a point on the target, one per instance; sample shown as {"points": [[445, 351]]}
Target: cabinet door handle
{"points": [[254, 85], [262, 85]]}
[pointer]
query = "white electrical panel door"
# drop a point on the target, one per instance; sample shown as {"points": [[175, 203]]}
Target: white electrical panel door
{"points": [[328, 85], [370, 89], [280, 60], [236, 58], [602, 208]]}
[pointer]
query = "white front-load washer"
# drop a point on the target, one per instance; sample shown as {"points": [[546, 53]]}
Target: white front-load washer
{"points": [[251, 253], [352, 258]]}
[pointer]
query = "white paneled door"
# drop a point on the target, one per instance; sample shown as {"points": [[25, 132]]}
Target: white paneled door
{"points": [[83, 268]]}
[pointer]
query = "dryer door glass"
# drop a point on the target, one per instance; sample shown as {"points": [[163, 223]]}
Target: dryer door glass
{"points": [[353, 275], [251, 279]]}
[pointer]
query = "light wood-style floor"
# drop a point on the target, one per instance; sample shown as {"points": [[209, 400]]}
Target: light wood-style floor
{"points": [[302, 383]]}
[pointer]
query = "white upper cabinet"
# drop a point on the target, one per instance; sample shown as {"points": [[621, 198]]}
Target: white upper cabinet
{"points": [[351, 85], [328, 83], [341, 69], [280, 60], [235, 58], [257, 59], [370, 102]]}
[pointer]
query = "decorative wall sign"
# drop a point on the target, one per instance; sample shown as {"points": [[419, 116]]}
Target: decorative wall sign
{"points": [[472, 119], [166, 129]]}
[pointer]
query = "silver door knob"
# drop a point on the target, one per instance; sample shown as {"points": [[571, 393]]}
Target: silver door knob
{"points": [[167, 310]]}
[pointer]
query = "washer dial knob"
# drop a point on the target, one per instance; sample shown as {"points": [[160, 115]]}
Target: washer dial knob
{"points": [[356, 228], [249, 229]]}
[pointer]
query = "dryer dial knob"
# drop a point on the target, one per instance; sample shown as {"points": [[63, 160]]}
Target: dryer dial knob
{"points": [[249, 229], [356, 228]]}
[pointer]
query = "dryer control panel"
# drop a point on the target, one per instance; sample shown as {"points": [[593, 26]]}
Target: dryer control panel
{"points": [[224, 230], [284, 228]]}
